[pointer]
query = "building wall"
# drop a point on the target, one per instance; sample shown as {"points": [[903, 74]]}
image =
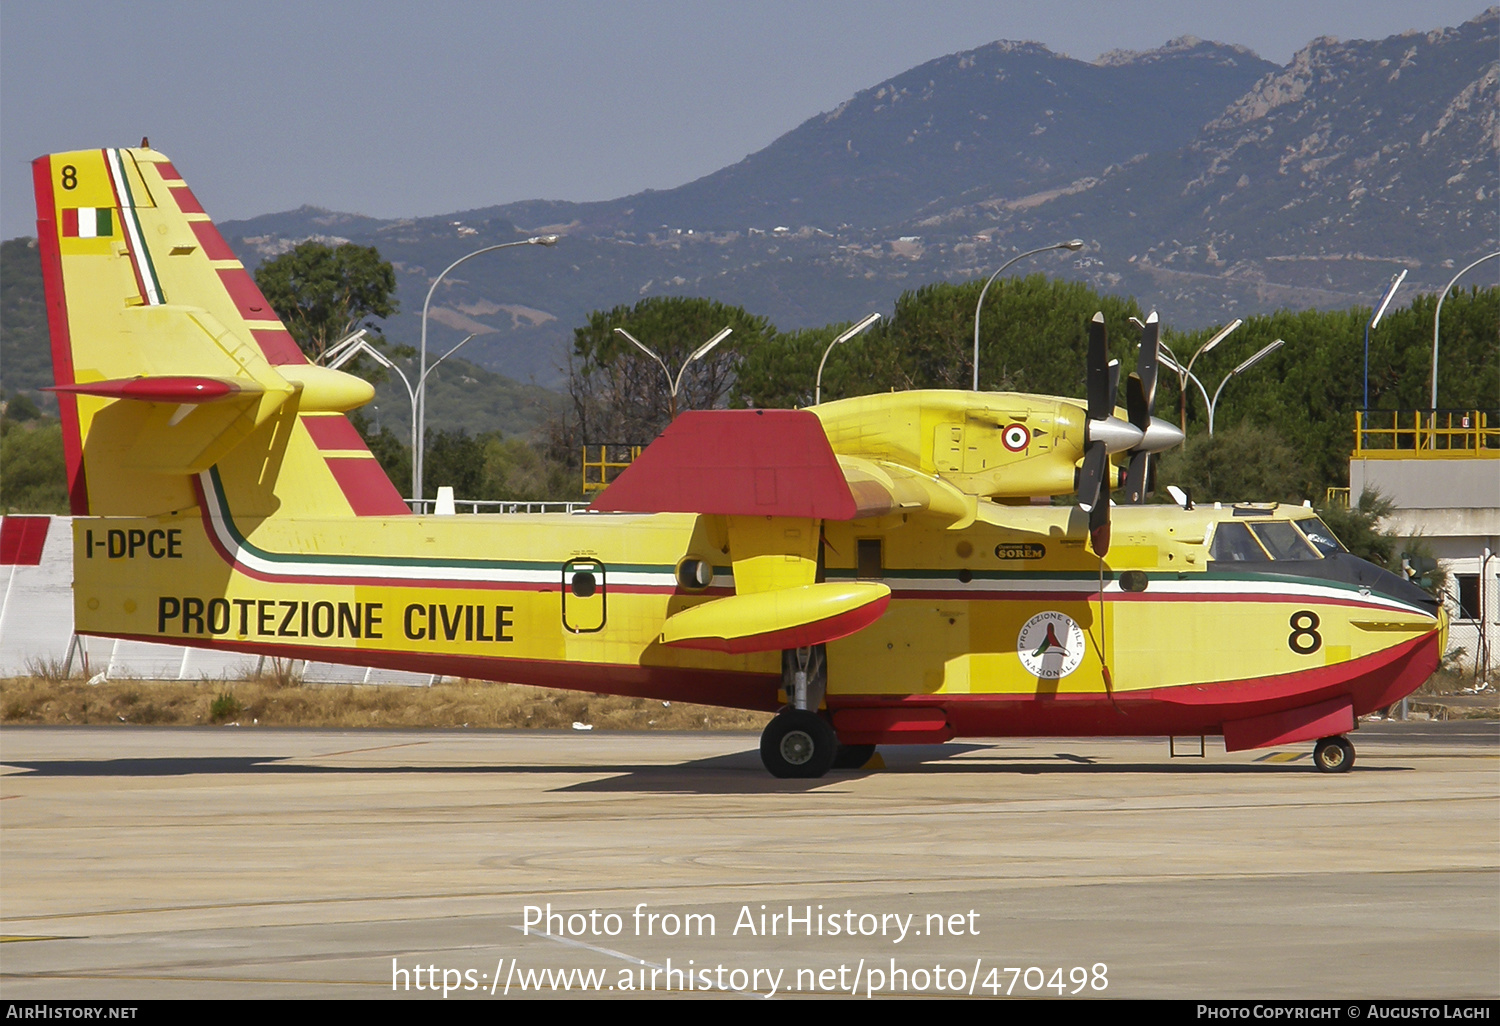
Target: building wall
{"points": [[1453, 506]]}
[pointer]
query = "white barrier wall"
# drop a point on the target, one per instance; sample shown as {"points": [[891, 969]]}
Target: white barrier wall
{"points": [[36, 623]]}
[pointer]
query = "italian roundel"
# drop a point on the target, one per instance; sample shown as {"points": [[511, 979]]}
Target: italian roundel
{"points": [[1016, 438]]}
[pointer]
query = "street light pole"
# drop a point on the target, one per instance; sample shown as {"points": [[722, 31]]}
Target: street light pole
{"points": [[846, 336], [674, 384], [421, 393], [359, 345], [1374, 322], [1446, 289], [1186, 373], [1264, 352], [1071, 244]]}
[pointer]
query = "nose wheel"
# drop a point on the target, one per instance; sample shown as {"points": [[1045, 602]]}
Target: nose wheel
{"points": [[798, 744], [1334, 755]]}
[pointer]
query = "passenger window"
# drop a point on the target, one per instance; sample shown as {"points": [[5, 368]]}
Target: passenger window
{"points": [[1233, 544], [1283, 542], [1322, 538]]}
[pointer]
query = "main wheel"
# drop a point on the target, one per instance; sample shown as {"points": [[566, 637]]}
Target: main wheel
{"points": [[1334, 755], [853, 756], [798, 743]]}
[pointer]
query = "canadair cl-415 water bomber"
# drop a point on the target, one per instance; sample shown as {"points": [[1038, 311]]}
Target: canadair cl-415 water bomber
{"points": [[874, 570]]}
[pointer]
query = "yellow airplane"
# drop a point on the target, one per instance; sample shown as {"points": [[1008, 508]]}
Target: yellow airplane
{"points": [[877, 569]]}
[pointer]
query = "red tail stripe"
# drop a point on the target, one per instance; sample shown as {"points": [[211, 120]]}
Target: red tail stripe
{"points": [[186, 201], [333, 432], [369, 491], [62, 341], [278, 346], [246, 295], [214, 246]]}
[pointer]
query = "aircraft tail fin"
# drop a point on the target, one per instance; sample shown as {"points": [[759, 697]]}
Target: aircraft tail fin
{"points": [[169, 362]]}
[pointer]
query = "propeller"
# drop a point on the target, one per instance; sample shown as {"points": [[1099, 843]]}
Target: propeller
{"points": [[1105, 434], [1157, 435]]}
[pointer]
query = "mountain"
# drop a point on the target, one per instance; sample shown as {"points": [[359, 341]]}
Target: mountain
{"points": [[1206, 181]]}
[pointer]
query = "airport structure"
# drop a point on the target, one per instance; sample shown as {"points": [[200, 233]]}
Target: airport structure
{"points": [[1442, 470]]}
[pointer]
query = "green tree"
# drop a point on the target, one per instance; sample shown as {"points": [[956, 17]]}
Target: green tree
{"points": [[1308, 391], [1033, 338], [322, 293], [456, 459], [1245, 463], [517, 469], [1358, 527], [33, 473], [620, 394], [25, 349]]}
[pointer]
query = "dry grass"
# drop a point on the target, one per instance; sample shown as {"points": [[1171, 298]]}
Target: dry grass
{"points": [[272, 703]]}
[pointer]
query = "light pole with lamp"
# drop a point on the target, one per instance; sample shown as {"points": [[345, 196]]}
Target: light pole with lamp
{"points": [[1171, 364], [1071, 244], [1374, 322], [674, 384], [421, 390], [358, 345], [846, 336], [1186, 373], [1446, 289]]}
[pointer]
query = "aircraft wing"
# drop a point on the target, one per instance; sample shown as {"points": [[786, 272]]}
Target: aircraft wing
{"points": [[771, 463]]}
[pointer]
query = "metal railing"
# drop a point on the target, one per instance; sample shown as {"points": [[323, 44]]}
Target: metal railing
{"points": [[612, 458], [1337, 497], [1426, 434], [498, 506]]}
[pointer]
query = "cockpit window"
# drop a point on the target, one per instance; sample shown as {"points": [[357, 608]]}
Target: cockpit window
{"points": [[1322, 538], [1233, 544], [1283, 542]]}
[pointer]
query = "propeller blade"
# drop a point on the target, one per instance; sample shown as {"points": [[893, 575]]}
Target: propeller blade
{"points": [[1099, 527], [1147, 362], [1101, 404], [1114, 381], [1137, 478], [1138, 407], [1091, 491]]}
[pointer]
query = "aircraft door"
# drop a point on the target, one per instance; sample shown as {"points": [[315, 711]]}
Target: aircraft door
{"points": [[583, 596]]}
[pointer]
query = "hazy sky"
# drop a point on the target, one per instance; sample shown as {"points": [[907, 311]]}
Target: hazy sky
{"points": [[394, 109]]}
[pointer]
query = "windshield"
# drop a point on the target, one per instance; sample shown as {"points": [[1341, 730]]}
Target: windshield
{"points": [[1322, 538], [1283, 542], [1232, 544]]}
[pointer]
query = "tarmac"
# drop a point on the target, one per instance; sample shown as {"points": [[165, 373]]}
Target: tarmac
{"points": [[141, 863]]}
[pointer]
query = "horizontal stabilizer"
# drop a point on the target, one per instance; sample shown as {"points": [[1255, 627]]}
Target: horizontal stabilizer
{"points": [[163, 389], [769, 621]]}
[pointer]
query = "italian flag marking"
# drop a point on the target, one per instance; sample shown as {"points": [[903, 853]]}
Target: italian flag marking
{"points": [[88, 222]]}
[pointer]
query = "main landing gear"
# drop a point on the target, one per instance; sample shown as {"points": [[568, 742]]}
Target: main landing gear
{"points": [[1334, 755], [799, 743]]}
